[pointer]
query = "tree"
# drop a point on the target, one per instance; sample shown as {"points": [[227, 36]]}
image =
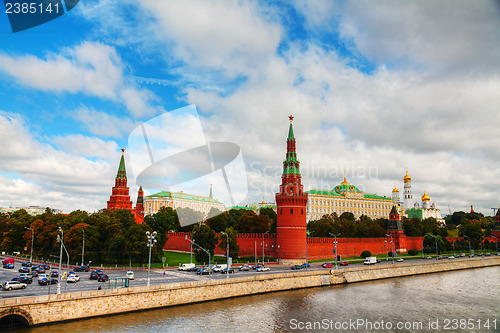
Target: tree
{"points": [[273, 217], [188, 216], [261, 224], [220, 222], [473, 231], [234, 248], [245, 223], [162, 222], [206, 238]]}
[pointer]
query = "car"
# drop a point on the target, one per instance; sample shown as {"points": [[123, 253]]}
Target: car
{"points": [[217, 268], [428, 257], [102, 278], [193, 269], [296, 267], [256, 266], [399, 260], [487, 254], [95, 274], [45, 281], [83, 268], [24, 270], [130, 275], [327, 265], [22, 279], [46, 267], [451, 257], [471, 256], [497, 254], [344, 263], [245, 267], [462, 254], [26, 264], [27, 275], [263, 269], [34, 268], [205, 271], [378, 261], [8, 266], [231, 270], [40, 270], [73, 278], [54, 274], [305, 265], [9, 285], [34, 273]]}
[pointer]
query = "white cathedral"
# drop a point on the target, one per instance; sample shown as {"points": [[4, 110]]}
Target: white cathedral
{"points": [[412, 209]]}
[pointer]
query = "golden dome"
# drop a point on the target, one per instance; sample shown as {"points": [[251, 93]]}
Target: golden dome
{"points": [[395, 189], [345, 182], [407, 178], [425, 197]]}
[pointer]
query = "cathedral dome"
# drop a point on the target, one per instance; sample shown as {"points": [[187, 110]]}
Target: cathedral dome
{"points": [[345, 182], [407, 178], [425, 197], [395, 190]]}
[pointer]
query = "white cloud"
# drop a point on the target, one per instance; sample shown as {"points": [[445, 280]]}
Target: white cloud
{"points": [[90, 68], [78, 144], [103, 124]]}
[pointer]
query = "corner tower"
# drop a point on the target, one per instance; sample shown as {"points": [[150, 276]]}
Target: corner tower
{"points": [[291, 202], [120, 197], [496, 227], [395, 230]]}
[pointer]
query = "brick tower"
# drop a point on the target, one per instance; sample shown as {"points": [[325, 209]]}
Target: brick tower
{"points": [[496, 228], [139, 207], [291, 204], [120, 197], [395, 229]]}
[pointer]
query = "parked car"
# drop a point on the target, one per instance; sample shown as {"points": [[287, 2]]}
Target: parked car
{"points": [[46, 267], [9, 266], [54, 274], [428, 257], [24, 270], [256, 266], [462, 254], [399, 260], [192, 269], [451, 257], [102, 278], [344, 263], [45, 281], [27, 275], [231, 270], [487, 254], [263, 269], [34, 273], [305, 265], [205, 271], [130, 275], [83, 268], [26, 264], [34, 268], [22, 279], [95, 274], [327, 265], [73, 278], [296, 267], [9, 285], [245, 267], [40, 270]]}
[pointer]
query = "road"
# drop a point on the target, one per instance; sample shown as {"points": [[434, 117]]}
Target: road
{"points": [[156, 277]]}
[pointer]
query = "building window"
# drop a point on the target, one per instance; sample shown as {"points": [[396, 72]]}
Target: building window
{"points": [[281, 211], [302, 211], [291, 210]]}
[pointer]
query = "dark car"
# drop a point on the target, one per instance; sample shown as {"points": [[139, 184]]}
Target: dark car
{"points": [[193, 269], [257, 266], [231, 270], [26, 264], [40, 270], [54, 274], [327, 265], [46, 267], [9, 266], [34, 267], [95, 274], [24, 270], [245, 267], [296, 267], [306, 265], [205, 271], [34, 273], [22, 279], [102, 278], [344, 263], [81, 269], [45, 281]]}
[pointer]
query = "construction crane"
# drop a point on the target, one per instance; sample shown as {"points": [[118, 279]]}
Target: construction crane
{"points": [[494, 211]]}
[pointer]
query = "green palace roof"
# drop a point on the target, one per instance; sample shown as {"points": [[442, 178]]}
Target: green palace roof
{"points": [[182, 195], [339, 189]]}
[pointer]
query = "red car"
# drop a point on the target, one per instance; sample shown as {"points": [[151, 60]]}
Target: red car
{"points": [[327, 265], [344, 263]]}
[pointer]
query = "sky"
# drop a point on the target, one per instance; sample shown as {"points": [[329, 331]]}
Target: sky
{"points": [[376, 88]]}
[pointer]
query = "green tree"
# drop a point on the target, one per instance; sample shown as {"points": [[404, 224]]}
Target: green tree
{"points": [[206, 238], [245, 223], [234, 248]]}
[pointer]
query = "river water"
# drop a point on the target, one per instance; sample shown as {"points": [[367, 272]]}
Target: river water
{"points": [[460, 301]]}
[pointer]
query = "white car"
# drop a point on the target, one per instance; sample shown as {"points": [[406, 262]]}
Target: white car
{"points": [[9, 285], [130, 275], [73, 278], [263, 269], [399, 260]]}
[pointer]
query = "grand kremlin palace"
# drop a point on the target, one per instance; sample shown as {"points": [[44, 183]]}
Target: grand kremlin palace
{"points": [[347, 198]]}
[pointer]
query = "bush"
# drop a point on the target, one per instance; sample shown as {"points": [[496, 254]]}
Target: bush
{"points": [[413, 252], [365, 254]]}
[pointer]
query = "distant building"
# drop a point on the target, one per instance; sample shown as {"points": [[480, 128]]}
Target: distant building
{"points": [[425, 211], [174, 200], [256, 207], [31, 210], [346, 198]]}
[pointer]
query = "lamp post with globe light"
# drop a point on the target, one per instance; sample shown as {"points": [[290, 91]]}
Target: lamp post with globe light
{"points": [[150, 244]]}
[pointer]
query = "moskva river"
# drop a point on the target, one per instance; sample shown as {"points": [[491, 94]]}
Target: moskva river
{"points": [[461, 301]]}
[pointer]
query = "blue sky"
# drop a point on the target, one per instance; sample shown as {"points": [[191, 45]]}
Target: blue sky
{"points": [[377, 87]]}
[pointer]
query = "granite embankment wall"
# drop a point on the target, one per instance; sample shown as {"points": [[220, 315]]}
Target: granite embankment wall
{"points": [[38, 310]]}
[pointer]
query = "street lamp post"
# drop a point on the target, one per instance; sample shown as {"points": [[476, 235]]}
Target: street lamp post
{"points": [[60, 260], [83, 248], [392, 248], [386, 256], [496, 241], [263, 257], [191, 247], [423, 247], [32, 237], [335, 243], [209, 270], [470, 250], [227, 257], [151, 242], [454, 249]]}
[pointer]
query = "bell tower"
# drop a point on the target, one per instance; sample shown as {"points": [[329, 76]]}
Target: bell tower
{"points": [[291, 202], [120, 197]]}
